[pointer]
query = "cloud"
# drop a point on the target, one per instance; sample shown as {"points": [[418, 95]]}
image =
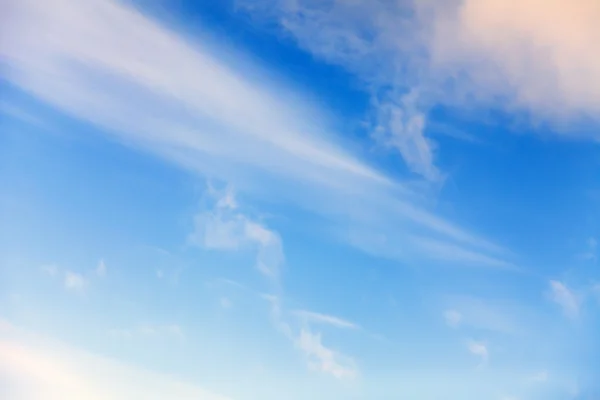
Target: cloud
{"points": [[565, 298], [453, 318], [452, 253], [533, 56], [317, 318], [225, 303], [147, 87], [40, 369], [491, 315], [479, 349], [101, 269], [590, 253], [400, 124], [541, 376], [74, 281], [225, 228], [51, 270], [14, 111], [325, 359]]}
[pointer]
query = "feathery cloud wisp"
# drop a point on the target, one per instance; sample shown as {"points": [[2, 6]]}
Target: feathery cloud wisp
{"points": [[479, 349], [453, 318], [224, 228], [145, 86], [101, 269], [535, 56], [565, 298], [325, 359], [74, 281], [318, 318]]}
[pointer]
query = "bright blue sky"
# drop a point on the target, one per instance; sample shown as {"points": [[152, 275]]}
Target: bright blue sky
{"points": [[299, 199]]}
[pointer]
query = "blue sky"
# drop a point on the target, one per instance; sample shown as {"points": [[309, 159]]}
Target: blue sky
{"points": [[299, 199]]}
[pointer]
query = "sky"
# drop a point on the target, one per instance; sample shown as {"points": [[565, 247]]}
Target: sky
{"points": [[299, 199]]}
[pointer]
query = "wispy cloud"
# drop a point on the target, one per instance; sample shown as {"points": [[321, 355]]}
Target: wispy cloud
{"points": [[74, 281], [152, 89], [453, 253], [480, 350], [225, 303], [324, 359], [51, 270], [488, 314], [317, 318], [101, 269], [225, 228], [532, 55], [591, 250], [565, 298], [540, 377], [453, 318]]}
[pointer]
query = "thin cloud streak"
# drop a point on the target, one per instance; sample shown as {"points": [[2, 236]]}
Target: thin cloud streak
{"points": [[317, 318], [565, 298]]}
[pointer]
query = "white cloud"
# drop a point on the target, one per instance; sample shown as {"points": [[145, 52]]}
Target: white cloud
{"points": [[401, 125], [324, 359], [101, 269], [225, 303], [591, 252], [51, 270], [319, 357], [492, 315], [225, 228], [453, 318], [452, 253], [536, 56], [39, 369], [479, 349], [592, 243], [74, 281], [565, 298], [317, 318], [541, 376], [107, 64]]}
